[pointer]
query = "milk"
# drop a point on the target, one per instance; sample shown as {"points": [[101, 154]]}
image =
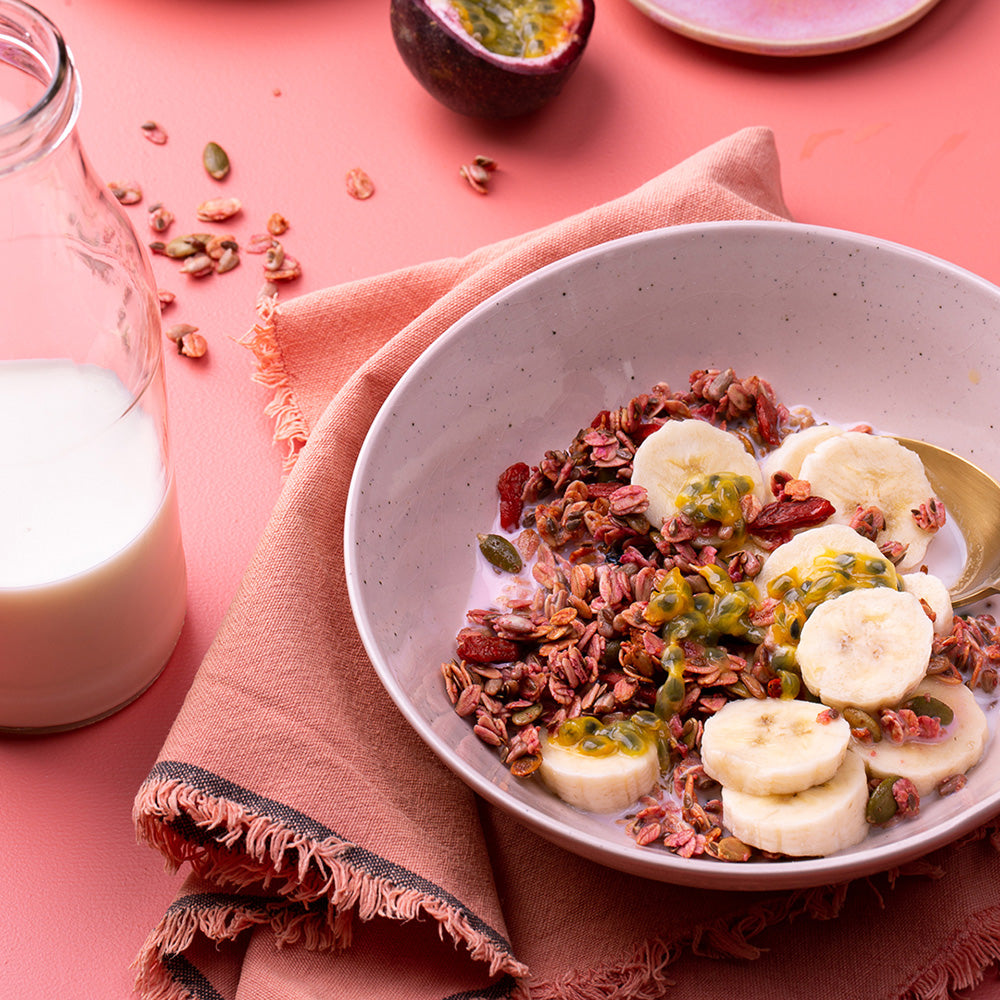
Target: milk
{"points": [[92, 577]]}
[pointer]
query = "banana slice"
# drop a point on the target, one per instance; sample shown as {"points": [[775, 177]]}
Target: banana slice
{"points": [[599, 784], [678, 452], [868, 648], [930, 588], [790, 454], [801, 551], [928, 764], [854, 469], [772, 746], [818, 821]]}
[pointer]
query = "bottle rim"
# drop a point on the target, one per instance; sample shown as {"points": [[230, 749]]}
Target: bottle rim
{"points": [[32, 44]]}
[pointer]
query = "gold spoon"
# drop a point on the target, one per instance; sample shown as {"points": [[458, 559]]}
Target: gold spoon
{"points": [[972, 499]]}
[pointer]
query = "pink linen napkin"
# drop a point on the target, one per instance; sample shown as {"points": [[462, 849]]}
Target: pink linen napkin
{"points": [[331, 854]]}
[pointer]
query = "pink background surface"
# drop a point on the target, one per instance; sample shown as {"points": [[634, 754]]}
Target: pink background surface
{"points": [[898, 140]]}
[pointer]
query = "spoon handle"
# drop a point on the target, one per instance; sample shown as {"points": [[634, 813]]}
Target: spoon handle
{"points": [[963, 600]]}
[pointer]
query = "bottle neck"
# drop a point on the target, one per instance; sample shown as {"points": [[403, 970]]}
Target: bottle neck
{"points": [[39, 88]]}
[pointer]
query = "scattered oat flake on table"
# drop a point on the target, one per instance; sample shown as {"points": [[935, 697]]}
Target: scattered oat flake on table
{"points": [[478, 172], [179, 330], [154, 132], [127, 192], [218, 209], [289, 270], [192, 345], [359, 184], [277, 224], [160, 218], [217, 245], [259, 243], [230, 258], [198, 265]]}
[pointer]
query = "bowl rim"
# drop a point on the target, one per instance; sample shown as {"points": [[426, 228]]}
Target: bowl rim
{"points": [[656, 865]]}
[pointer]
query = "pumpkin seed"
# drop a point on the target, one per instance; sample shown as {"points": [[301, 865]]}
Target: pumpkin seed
{"points": [[882, 803], [216, 161], [923, 704], [181, 246], [858, 719], [526, 715], [729, 849], [500, 553]]}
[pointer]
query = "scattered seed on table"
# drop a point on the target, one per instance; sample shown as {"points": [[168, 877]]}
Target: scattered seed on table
{"points": [[192, 345], [230, 258], [182, 246], [289, 270], [259, 243], [478, 172], [198, 265], [165, 297], [160, 218], [179, 330], [216, 160], [154, 132], [127, 192], [218, 209], [277, 224], [275, 257], [217, 245], [359, 184]]}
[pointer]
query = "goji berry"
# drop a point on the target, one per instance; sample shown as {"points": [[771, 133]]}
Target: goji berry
{"points": [[595, 490], [510, 486], [482, 648], [786, 515], [767, 418], [643, 431]]}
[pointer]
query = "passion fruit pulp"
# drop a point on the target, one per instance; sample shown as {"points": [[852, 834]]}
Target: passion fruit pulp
{"points": [[492, 58]]}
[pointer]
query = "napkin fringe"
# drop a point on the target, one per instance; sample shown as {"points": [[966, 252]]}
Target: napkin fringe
{"points": [[229, 844], [290, 426], [644, 974], [973, 951]]}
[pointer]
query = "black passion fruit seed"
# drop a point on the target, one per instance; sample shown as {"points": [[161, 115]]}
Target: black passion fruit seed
{"points": [[500, 553], [492, 58]]}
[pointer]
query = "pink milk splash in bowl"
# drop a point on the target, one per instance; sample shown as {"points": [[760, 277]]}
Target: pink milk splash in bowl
{"points": [[92, 575]]}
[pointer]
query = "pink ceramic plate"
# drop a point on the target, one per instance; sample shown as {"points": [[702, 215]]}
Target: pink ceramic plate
{"points": [[786, 27]]}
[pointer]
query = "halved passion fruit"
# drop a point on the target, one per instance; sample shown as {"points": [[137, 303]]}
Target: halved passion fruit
{"points": [[492, 58]]}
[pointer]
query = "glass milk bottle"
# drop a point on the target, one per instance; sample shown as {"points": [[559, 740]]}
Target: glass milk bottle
{"points": [[92, 579]]}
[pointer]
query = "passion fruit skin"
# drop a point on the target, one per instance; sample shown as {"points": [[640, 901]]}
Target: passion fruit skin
{"points": [[472, 81]]}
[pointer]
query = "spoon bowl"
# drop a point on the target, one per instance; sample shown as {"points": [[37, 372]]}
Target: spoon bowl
{"points": [[972, 500]]}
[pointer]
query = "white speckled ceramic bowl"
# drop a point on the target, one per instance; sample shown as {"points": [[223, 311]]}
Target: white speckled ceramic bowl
{"points": [[860, 329]]}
